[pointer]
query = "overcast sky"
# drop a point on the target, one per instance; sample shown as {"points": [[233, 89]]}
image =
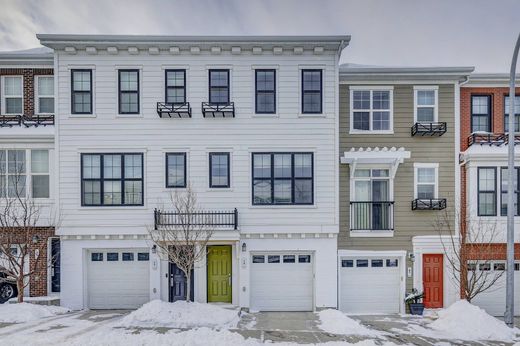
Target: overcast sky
{"points": [[478, 33]]}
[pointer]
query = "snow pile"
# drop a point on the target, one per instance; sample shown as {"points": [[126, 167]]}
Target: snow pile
{"points": [[465, 321], [25, 312], [181, 315], [336, 322]]}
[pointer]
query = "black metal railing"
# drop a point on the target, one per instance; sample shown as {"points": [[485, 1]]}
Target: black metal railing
{"points": [[496, 139], [218, 110], [372, 216], [26, 120], [429, 204], [429, 129], [179, 110], [202, 218]]}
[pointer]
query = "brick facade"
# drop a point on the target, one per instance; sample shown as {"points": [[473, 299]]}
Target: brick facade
{"points": [[28, 83]]}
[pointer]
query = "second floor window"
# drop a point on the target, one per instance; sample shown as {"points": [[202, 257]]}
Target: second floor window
{"points": [[128, 91], [24, 173], [219, 86], [371, 110], [12, 95], [504, 189], [312, 96], [480, 113], [425, 104], [283, 178], [265, 91], [45, 95], [426, 181], [517, 113], [175, 86], [81, 91], [219, 170], [487, 191], [112, 179], [176, 170]]}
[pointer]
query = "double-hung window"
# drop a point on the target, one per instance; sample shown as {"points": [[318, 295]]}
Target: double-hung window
{"points": [[219, 170], [112, 179], [128, 91], [40, 178], [21, 169], [283, 178], [12, 95], [176, 170], [426, 181], [175, 86], [504, 188], [312, 91], [480, 113], [81, 91], [265, 91], [517, 113], [425, 100], [219, 86], [487, 191], [45, 94], [371, 110]]}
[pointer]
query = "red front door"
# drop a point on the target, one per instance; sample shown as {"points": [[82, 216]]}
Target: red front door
{"points": [[432, 280]]}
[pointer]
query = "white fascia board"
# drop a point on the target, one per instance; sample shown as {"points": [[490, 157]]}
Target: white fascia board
{"points": [[375, 155]]}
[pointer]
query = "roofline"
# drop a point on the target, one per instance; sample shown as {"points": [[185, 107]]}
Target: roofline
{"points": [[449, 73], [491, 78], [21, 59]]}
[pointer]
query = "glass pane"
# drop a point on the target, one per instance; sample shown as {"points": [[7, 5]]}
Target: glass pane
{"points": [[45, 86], [426, 97], [380, 173], [175, 95], [486, 204], [361, 263], [480, 105], [282, 191], [133, 166], [92, 192], [16, 186], [91, 166], [218, 95], [380, 190], [361, 99], [361, 121], [112, 166], [311, 80], [143, 256], [486, 179], [426, 175], [426, 191], [112, 256], [13, 105], [362, 173], [347, 263], [81, 80], [425, 114], [303, 191], [13, 86], [129, 80], [96, 256], [480, 123], [82, 103], [258, 259], [16, 161], [362, 191], [273, 259], [303, 165], [380, 100], [289, 259], [517, 122], [311, 102], [46, 105], [112, 192], [392, 262], [261, 165], [304, 258], [219, 169], [175, 78], [219, 78], [265, 80], [282, 166], [376, 263], [40, 186], [262, 192], [176, 170], [40, 161], [129, 103], [265, 102], [381, 121], [133, 192], [128, 256]]}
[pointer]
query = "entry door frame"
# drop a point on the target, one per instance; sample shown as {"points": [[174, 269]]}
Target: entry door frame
{"points": [[192, 279], [50, 268], [231, 286], [441, 275]]}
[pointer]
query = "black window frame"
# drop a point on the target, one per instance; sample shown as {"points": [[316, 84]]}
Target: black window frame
{"points": [[502, 170], [506, 115], [489, 114], [168, 184], [228, 156], [210, 87], [101, 180], [130, 254], [143, 256], [303, 91], [120, 92], [493, 192], [265, 92], [167, 87], [97, 256], [74, 92], [112, 256], [272, 178]]}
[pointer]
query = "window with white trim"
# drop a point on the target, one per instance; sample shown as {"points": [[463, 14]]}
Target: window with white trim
{"points": [[12, 95], [371, 110], [425, 104], [426, 181], [44, 94], [24, 173]]}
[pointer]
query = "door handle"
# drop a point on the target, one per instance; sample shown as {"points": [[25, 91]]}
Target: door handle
{"points": [[229, 279]]}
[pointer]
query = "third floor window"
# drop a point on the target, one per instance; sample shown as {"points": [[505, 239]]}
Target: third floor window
{"points": [[371, 110], [265, 91], [517, 113], [219, 86], [312, 96], [128, 91], [480, 113], [175, 86], [12, 95], [81, 91], [45, 94]]}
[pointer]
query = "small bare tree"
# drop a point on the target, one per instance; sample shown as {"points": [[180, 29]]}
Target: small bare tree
{"points": [[182, 234], [23, 230], [470, 254]]}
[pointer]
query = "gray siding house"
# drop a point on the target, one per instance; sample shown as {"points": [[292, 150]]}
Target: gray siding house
{"points": [[399, 147]]}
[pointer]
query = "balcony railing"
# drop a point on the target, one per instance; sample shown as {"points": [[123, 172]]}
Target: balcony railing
{"points": [[174, 110], [372, 216], [429, 129], [429, 204], [491, 139], [218, 110], [26, 120], [203, 218]]}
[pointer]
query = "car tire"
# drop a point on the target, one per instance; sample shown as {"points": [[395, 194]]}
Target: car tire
{"points": [[7, 291]]}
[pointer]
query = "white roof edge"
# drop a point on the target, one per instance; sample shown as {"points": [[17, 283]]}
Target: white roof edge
{"points": [[490, 78], [382, 70]]}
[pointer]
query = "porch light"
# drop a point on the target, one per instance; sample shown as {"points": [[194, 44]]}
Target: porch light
{"points": [[154, 249], [35, 239], [244, 247]]}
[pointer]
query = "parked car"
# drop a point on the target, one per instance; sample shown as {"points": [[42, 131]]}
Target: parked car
{"points": [[7, 288]]}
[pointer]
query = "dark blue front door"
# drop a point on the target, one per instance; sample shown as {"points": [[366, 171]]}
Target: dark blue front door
{"points": [[55, 265], [178, 284]]}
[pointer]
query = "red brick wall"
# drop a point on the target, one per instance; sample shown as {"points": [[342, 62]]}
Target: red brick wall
{"points": [[28, 83]]}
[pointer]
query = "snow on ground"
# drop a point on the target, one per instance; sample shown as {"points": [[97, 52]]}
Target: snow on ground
{"points": [[181, 315], [336, 322], [25, 312]]}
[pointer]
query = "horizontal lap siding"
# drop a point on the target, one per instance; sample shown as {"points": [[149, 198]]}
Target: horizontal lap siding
{"points": [[241, 136]]}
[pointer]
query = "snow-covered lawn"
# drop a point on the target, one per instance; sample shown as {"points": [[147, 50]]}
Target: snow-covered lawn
{"points": [[336, 322], [25, 312]]}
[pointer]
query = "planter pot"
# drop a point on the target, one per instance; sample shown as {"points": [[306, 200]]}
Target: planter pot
{"points": [[416, 308]]}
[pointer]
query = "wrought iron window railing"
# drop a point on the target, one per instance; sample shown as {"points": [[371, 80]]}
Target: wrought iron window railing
{"points": [[429, 204], [26, 120], [172, 110], [429, 129], [496, 139], [372, 216], [218, 110], [215, 219]]}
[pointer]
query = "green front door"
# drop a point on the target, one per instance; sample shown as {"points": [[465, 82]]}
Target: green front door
{"points": [[219, 274]]}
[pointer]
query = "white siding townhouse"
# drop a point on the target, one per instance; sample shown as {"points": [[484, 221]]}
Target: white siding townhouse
{"points": [[251, 123]]}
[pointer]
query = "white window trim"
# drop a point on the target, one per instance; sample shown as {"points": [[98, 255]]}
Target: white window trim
{"points": [[37, 93], [276, 113], [300, 91], [433, 88], [416, 166], [139, 68], [371, 89], [2, 93], [93, 90]]}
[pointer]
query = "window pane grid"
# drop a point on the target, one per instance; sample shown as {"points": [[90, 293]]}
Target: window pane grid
{"points": [[371, 110], [517, 113], [487, 192], [504, 190], [81, 91], [312, 91], [128, 91], [176, 86], [176, 170], [480, 113], [219, 170], [265, 91], [219, 86]]}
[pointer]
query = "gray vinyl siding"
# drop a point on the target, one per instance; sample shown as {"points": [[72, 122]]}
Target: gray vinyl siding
{"points": [[407, 223]]}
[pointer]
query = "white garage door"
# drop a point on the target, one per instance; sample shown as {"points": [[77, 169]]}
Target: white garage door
{"points": [[118, 279], [282, 282], [370, 284], [494, 299]]}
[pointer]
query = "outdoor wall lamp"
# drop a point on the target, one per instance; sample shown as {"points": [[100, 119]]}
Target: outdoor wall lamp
{"points": [[35, 239], [154, 249], [244, 247]]}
